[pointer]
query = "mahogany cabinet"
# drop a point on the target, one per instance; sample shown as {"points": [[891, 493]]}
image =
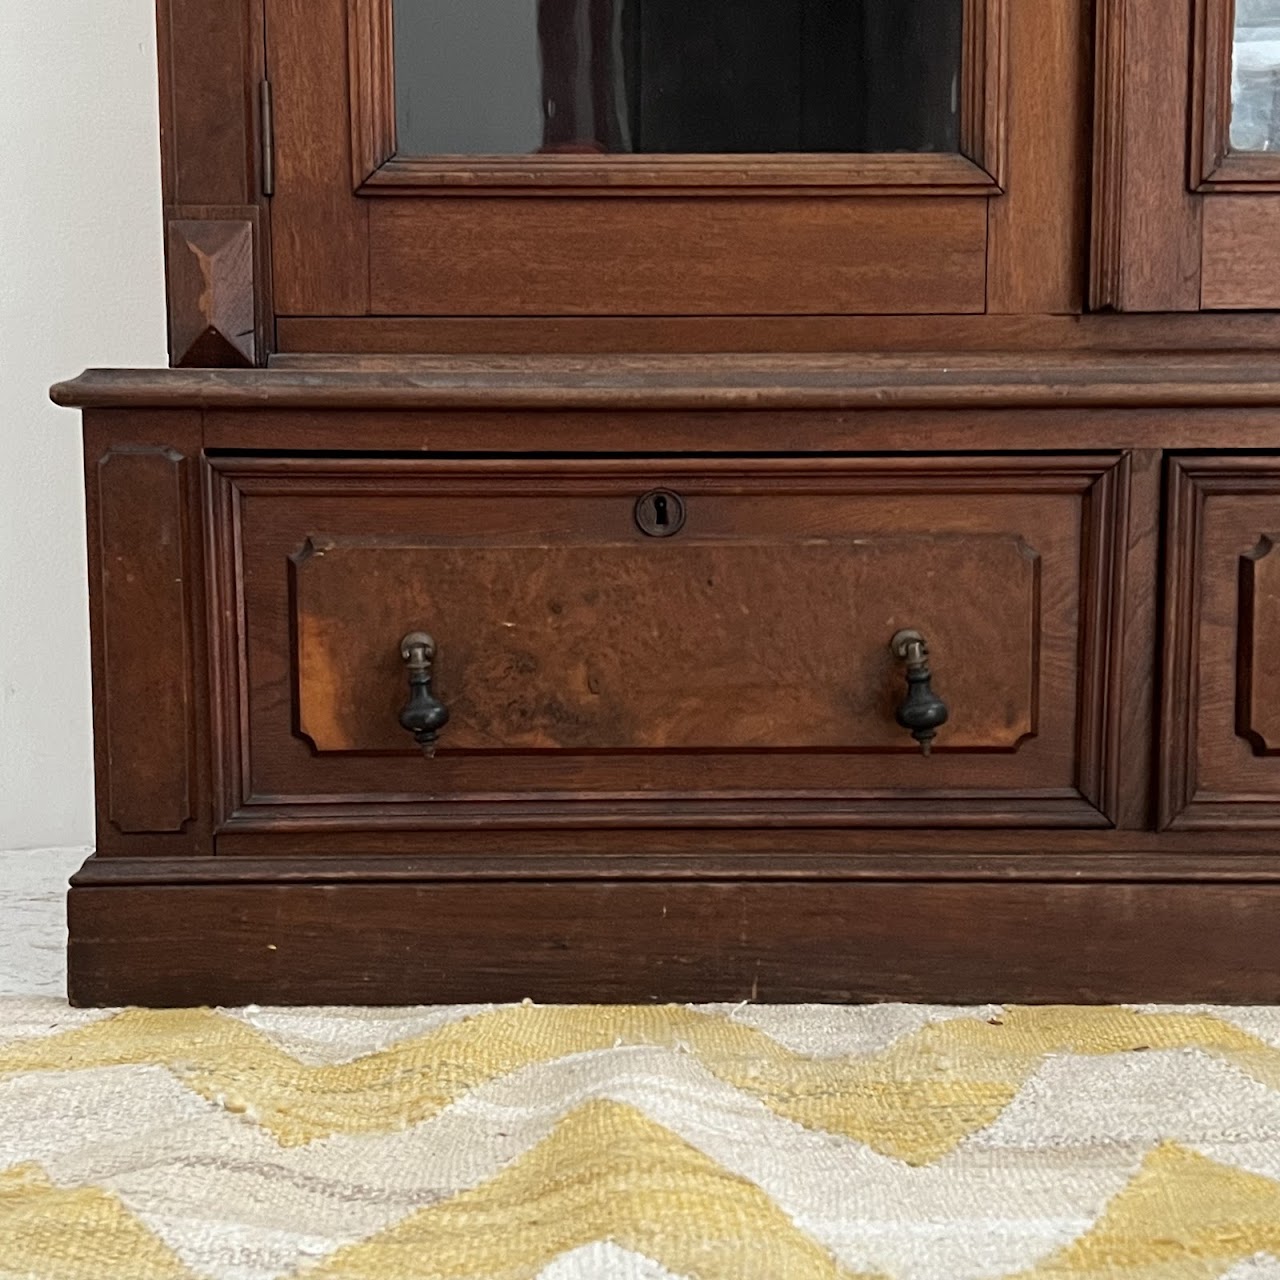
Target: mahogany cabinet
{"points": [[770, 501]]}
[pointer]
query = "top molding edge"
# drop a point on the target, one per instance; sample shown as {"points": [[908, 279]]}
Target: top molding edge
{"points": [[1118, 380]]}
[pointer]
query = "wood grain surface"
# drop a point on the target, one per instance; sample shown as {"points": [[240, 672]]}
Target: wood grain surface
{"points": [[867, 380], [620, 942]]}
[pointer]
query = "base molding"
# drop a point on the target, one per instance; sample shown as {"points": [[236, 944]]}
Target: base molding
{"points": [[606, 941]]}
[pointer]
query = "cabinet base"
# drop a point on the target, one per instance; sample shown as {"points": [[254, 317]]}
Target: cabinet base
{"points": [[418, 942]]}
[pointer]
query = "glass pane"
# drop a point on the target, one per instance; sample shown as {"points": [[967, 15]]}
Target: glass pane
{"points": [[517, 77], [1255, 77]]}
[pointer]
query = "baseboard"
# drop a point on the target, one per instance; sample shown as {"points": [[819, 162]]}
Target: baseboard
{"points": [[631, 941]]}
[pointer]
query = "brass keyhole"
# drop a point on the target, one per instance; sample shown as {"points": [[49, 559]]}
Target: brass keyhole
{"points": [[660, 513]]}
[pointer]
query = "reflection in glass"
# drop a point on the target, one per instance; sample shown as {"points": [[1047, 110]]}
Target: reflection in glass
{"points": [[516, 77], [1255, 77]]}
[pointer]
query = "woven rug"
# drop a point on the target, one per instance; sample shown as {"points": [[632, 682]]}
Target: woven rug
{"points": [[713, 1142]]}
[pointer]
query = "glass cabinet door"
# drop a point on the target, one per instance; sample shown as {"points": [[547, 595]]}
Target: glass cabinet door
{"points": [[1236, 138], [598, 77], [1255, 77], [1186, 219], [1235, 164], [661, 158], [661, 93]]}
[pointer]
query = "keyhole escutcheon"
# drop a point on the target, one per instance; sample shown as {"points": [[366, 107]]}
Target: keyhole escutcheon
{"points": [[660, 513]]}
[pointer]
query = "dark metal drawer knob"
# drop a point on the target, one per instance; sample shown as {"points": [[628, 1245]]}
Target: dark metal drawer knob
{"points": [[424, 715], [921, 712]]}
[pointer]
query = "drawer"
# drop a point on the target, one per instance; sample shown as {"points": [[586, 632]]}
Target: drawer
{"points": [[729, 667], [1220, 757]]}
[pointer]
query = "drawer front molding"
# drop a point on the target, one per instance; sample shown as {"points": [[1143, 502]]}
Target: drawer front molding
{"points": [[1220, 731], [364, 795]]}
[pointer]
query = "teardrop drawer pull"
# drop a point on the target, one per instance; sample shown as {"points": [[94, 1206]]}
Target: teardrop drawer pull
{"points": [[921, 712], [424, 715]]}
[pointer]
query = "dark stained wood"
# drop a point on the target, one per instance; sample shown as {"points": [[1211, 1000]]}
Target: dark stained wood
{"points": [[371, 54], [693, 644], [1211, 90], [1025, 122], [141, 522], [757, 431], [146, 602], [1107, 241], [762, 845], [1245, 172], [1138, 643], [210, 65], [1221, 381], [1222, 510], [900, 857], [1180, 221], [984, 85], [629, 942], [676, 257], [630, 176], [211, 292], [1240, 262], [435, 249], [1184, 512], [1100, 654], [1235, 523], [672, 770], [970, 551], [1241, 252], [211, 62], [309, 337], [1214, 166], [320, 231], [1146, 223], [770, 431], [1038, 227], [1258, 664]]}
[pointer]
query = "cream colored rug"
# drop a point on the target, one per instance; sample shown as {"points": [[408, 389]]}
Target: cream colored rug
{"points": [[713, 1142]]}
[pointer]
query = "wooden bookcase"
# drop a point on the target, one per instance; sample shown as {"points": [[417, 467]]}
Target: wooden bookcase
{"points": [[663, 451]]}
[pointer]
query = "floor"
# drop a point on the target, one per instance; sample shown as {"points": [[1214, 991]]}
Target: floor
{"points": [[33, 928]]}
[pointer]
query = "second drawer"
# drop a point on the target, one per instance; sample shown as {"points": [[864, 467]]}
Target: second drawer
{"points": [[693, 641]]}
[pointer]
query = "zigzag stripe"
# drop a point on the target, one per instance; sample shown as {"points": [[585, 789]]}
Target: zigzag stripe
{"points": [[606, 1171], [609, 1172], [1183, 1216], [171, 1160], [324, 1036], [79, 1233], [844, 1031], [916, 1101]]}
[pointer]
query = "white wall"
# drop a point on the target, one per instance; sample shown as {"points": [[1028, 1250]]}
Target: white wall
{"points": [[81, 284]]}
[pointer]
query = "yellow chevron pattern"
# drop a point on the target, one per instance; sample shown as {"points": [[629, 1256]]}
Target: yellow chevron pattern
{"points": [[713, 1143]]}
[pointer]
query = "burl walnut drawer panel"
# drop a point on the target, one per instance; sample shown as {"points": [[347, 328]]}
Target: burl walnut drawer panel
{"points": [[734, 672], [1221, 713]]}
